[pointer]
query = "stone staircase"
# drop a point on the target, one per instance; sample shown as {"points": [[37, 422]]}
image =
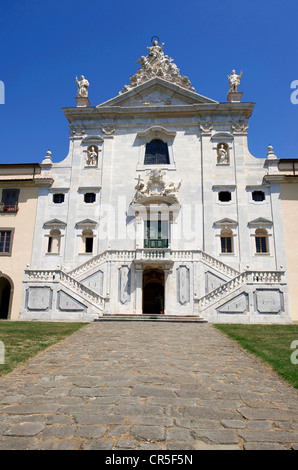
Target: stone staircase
{"points": [[97, 304], [152, 317]]}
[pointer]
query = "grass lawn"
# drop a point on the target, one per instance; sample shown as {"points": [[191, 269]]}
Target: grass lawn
{"points": [[271, 343], [22, 340]]}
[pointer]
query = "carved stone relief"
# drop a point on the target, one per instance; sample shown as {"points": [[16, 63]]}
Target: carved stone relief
{"points": [[268, 301], [124, 284], [238, 305], [183, 285], [39, 298], [156, 186], [66, 303]]}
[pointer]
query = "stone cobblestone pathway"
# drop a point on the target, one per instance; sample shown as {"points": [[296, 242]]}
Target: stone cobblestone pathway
{"points": [[146, 386]]}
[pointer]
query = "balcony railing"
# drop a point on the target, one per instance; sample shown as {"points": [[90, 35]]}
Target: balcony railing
{"points": [[8, 207], [156, 243]]}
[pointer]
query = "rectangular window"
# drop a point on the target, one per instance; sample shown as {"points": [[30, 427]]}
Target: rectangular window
{"points": [[226, 244], [9, 201], [261, 245], [58, 198], [89, 245], [5, 242], [258, 196], [89, 198], [156, 233], [224, 196]]}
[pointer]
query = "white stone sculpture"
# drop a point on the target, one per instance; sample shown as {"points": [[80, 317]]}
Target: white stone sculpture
{"points": [[156, 187], [92, 156], [222, 154], [83, 85], [234, 81], [157, 64]]}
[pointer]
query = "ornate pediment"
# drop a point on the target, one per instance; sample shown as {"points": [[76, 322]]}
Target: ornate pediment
{"points": [[155, 188]]}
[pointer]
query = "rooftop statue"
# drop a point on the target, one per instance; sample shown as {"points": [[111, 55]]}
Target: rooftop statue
{"points": [[234, 80], [83, 85], [157, 64]]}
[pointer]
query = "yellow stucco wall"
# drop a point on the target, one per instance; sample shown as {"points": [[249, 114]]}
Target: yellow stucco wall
{"points": [[23, 222], [289, 197]]}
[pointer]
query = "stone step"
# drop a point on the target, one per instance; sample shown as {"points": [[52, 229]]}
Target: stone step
{"points": [[152, 317]]}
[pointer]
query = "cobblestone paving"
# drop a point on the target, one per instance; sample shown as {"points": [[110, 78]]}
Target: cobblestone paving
{"points": [[146, 386]]}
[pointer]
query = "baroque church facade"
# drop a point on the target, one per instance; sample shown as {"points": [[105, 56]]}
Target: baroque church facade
{"points": [[159, 208]]}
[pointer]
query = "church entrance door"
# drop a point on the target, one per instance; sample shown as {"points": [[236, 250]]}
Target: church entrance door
{"points": [[153, 291]]}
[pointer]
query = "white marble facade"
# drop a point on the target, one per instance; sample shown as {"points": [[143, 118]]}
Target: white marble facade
{"points": [[194, 229]]}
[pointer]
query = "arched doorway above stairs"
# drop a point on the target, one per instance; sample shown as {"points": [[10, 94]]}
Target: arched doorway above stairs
{"points": [[153, 291], [5, 296]]}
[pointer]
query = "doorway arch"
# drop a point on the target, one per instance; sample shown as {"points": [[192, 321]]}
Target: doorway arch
{"points": [[153, 291], [6, 290]]}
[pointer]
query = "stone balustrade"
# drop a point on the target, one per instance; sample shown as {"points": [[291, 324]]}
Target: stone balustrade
{"points": [[67, 280], [249, 277]]}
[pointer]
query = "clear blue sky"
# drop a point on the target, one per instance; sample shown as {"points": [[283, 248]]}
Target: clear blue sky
{"points": [[45, 44]]}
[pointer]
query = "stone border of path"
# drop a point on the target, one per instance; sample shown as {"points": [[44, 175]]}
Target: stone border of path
{"points": [[147, 386]]}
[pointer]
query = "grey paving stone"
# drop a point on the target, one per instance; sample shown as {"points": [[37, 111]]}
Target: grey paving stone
{"points": [[148, 433], [25, 429], [138, 385]]}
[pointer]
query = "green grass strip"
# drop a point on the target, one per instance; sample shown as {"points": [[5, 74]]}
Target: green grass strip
{"points": [[271, 343], [23, 340]]}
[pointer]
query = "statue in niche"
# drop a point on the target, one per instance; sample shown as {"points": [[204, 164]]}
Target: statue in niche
{"points": [[92, 156], [234, 81], [83, 85], [222, 154]]}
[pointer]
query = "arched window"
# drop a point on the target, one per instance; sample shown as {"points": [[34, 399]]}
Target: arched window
{"points": [[157, 153], [87, 237], [261, 236], [226, 240], [54, 241]]}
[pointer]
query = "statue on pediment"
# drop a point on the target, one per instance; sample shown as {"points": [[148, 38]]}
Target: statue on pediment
{"points": [[157, 64]]}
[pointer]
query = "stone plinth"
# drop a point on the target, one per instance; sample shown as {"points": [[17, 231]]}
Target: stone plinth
{"points": [[234, 96], [82, 101]]}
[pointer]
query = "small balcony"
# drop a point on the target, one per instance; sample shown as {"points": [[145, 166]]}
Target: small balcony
{"points": [[156, 243], [8, 207]]}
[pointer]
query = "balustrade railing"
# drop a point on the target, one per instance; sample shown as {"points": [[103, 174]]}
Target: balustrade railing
{"points": [[68, 281], [253, 277]]}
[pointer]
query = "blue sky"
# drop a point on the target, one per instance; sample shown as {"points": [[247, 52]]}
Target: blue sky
{"points": [[44, 45]]}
